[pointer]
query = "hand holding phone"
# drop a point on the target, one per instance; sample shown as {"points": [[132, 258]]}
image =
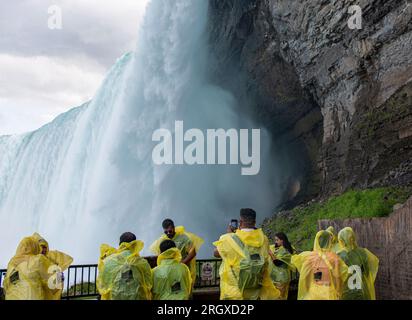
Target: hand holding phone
{"points": [[234, 225]]}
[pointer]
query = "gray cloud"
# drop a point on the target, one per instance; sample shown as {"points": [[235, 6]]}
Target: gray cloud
{"points": [[44, 72], [100, 30]]}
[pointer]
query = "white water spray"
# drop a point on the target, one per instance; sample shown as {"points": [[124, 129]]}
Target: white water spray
{"points": [[88, 176]]}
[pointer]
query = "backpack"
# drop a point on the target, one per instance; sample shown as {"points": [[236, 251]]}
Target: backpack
{"points": [[125, 285], [356, 257], [128, 281], [251, 267], [321, 270]]}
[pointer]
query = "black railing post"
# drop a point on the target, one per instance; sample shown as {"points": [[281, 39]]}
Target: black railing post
{"points": [[215, 271], [75, 281], [81, 286], [95, 279], [68, 283], [88, 282]]}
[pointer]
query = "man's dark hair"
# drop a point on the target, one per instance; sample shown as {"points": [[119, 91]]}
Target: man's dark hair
{"points": [[127, 237], [167, 223], [248, 215], [166, 245]]}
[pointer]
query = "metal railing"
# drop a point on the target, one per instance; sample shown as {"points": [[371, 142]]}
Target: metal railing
{"points": [[80, 280]]}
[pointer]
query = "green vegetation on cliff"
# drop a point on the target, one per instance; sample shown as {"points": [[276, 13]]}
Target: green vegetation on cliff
{"points": [[301, 223]]}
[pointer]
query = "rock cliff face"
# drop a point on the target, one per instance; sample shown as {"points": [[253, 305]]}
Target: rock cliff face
{"points": [[340, 98]]}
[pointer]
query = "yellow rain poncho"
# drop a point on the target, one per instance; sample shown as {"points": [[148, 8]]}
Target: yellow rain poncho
{"points": [[28, 274], [123, 274], [56, 257], [280, 271], [185, 242], [171, 278], [105, 251], [60, 259], [335, 244], [363, 267], [244, 272], [322, 272]]}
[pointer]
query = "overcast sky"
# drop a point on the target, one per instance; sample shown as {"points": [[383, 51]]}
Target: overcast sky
{"points": [[44, 72]]}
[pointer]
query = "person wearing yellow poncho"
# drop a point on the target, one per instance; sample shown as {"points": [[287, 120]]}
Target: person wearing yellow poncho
{"points": [[28, 274], [244, 272], [335, 244], [60, 259], [281, 267], [322, 273], [363, 267], [171, 278], [123, 274], [187, 242]]}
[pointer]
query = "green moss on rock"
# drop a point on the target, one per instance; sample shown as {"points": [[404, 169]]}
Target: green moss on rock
{"points": [[300, 224]]}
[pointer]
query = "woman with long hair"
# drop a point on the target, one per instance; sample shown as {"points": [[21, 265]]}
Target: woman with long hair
{"points": [[281, 268], [281, 240]]}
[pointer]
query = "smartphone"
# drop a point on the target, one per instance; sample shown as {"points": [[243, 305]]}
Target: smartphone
{"points": [[234, 224]]}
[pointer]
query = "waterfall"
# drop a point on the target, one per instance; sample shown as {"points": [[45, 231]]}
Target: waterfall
{"points": [[88, 176]]}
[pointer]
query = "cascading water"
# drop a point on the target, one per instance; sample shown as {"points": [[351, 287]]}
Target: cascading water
{"points": [[88, 176]]}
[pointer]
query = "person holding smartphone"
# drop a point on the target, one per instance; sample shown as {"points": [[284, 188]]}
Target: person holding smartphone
{"points": [[233, 226], [244, 250]]}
